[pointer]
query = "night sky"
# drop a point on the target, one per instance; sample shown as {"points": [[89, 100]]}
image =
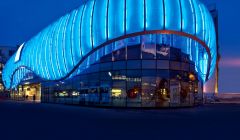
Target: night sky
{"points": [[22, 19]]}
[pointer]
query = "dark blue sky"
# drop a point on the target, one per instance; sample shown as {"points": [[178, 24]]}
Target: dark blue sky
{"points": [[22, 19]]}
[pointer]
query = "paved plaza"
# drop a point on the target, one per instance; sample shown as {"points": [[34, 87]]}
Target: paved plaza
{"points": [[33, 121]]}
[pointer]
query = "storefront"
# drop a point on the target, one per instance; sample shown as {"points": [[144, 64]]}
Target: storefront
{"points": [[27, 92]]}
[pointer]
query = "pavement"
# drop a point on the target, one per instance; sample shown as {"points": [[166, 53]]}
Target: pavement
{"points": [[35, 121]]}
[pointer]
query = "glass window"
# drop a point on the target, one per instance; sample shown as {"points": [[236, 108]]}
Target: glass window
{"points": [[163, 52], [82, 68], [175, 54], [148, 46], [174, 65], [119, 54], [93, 68], [92, 58], [105, 93], [133, 41], [99, 54], [162, 95], [119, 65], [185, 76], [105, 76], [149, 64], [149, 73], [185, 94], [174, 74], [134, 88], [119, 44], [107, 56], [134, 52], [185, 66], [94, 79], [108, 49], [134, 64], [163, 74], [163, 64], [119, 93], [148, 91], [106, 66], [119, 75], [134, 73], [185, 58], [192, 68]]}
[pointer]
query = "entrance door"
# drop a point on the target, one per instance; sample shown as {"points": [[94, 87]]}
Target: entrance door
{"points": [[32, 92]]}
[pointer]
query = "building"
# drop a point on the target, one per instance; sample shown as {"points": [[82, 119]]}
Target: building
{"points": [[211, 87], [121, 53], [5, 53]]}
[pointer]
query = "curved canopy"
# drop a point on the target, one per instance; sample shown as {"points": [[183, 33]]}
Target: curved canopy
{"points": [[58, 49]]}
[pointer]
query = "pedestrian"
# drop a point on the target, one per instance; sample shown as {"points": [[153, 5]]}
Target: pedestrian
{"points": [[34, 97]]}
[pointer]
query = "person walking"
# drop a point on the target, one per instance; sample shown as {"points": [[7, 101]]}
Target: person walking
{"points": [[34, 98]]}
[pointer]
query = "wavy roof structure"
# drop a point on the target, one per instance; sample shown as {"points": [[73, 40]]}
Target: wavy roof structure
{"points": [[55, 52]]}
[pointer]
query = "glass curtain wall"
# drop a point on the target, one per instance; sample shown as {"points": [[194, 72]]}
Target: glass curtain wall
{"points": [[144, 71]]}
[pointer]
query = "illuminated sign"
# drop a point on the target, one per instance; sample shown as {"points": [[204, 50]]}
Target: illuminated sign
{"points": [[122, 77], [18, 54], [116, 92]]}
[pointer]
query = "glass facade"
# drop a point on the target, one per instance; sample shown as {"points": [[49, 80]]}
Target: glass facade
{"points": [[140, 71]]}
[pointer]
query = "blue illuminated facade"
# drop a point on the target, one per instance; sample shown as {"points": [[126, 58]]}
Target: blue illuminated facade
{"points": [[68, 47]]}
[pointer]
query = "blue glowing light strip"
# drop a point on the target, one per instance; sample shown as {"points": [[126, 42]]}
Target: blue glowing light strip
{"points": [[33, 48], [107, 14], [46, 39], [64, 44], [80, 29], [181, 14], [144, 15], [43, 60], [50, 50], [38, 53], [76, 36], [68, 44], [57, 44], [91, 24], [86, 35], [203, 22], [72, 37], [194, 15]]}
